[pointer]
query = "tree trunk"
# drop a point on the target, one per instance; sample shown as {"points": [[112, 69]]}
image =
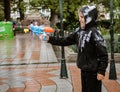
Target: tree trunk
{"points": [[7, 10], [54, 18], [21, 10], [21, 15]]}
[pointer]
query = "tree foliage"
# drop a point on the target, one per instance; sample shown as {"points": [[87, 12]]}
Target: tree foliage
{"points": [[69, 8], [19, 6]]}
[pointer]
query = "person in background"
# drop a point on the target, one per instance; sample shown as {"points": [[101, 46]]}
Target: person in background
{"points": [[36, 23], [13, 26], [92, 56]]}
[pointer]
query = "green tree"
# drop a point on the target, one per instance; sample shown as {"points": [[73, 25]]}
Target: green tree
{"points": [[47, 4], [20, 7], [117, 15], [6, 6], [69, 9]]}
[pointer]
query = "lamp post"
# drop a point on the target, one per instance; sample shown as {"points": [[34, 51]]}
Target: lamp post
{"points": [[112, 73], [63, 72]]}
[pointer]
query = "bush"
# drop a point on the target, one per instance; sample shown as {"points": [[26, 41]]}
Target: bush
{"points": [[108, 41], [19, 30]]}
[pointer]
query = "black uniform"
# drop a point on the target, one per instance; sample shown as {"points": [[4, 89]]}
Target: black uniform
{"points": [[92, 54]]}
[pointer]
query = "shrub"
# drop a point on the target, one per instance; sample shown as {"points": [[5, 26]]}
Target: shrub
{"points": [[116, 43], [18, 30]]}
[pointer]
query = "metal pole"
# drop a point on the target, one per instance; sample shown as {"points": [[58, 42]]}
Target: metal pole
{"points": [[63, 72], [112, 73]]}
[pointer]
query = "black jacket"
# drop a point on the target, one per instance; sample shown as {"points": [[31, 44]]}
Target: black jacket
{"points": [[92, 53]]}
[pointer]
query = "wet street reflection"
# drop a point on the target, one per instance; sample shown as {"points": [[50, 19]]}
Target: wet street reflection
{"points": [[22, 48], [20, 65]]}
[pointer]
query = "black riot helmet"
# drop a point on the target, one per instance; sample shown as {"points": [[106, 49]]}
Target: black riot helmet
{"points": [[90, 13]]}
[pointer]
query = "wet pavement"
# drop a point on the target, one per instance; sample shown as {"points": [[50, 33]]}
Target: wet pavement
{"points": [[30, 65]]}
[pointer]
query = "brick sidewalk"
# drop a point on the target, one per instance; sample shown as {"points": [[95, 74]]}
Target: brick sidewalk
{"points": [[29, 65], [46, 78]]}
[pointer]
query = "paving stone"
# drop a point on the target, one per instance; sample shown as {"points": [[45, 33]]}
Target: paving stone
{"points": [[4, 88], [51, 88], [104, 89], [63, 85]]}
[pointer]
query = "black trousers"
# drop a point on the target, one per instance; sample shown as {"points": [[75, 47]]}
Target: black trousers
{"points": [[90, 82]]}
